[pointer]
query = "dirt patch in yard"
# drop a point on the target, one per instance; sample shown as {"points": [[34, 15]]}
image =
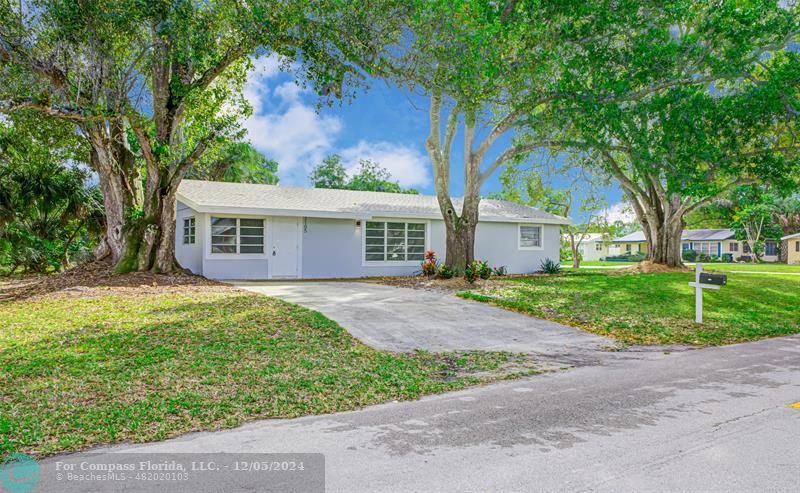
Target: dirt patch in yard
{"points": [[96, 278], [648, 267], [455, 284]]}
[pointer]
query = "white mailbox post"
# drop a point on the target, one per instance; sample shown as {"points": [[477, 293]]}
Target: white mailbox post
{"points": [[704, 280]]}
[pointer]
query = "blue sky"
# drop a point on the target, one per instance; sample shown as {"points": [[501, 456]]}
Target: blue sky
{"points": [[386, 124]]}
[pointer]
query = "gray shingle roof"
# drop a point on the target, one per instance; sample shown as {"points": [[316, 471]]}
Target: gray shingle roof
{"points": [[688, 235], [210, 196]]}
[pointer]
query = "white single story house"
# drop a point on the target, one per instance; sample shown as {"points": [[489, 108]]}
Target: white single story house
{"points": [[792, 245], [246, 231], [713, 242], [594, 246]]}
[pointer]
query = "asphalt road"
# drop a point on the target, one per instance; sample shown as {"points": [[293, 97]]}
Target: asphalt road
{"points": [[707, 420]]}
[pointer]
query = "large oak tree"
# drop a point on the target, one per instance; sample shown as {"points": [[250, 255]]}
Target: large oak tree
{"points": [[136, 78]]}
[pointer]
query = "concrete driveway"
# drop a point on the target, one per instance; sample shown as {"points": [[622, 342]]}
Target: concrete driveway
{"points": [[403, 319], [710, 420]]}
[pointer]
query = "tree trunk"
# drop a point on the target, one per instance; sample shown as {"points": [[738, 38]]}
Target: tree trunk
{"points": [[460, 233], [119, 183], [150, 241], [576, 258]]}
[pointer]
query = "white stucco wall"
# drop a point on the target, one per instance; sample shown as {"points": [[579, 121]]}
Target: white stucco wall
{"points": [[189, 256], [333, 248], [498, 243]]}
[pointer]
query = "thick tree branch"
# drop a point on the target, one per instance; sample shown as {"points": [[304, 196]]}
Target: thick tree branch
{"points": [[64, 112], [187, 162]]}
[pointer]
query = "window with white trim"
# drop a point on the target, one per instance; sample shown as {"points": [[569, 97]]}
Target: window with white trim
{"points": [[394, 242], [733, 246], [707, 247], [188, 231], [237, 235], [598, 247], [771, 248], [530, 236]]}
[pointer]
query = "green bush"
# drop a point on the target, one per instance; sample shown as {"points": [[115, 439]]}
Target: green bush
{"points": [[689, 255], [484, 271], [500, 271], [477, 269], [445, 272], [550, 266], [471, 272]]}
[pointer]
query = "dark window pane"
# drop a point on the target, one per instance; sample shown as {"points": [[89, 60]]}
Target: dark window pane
{"points": [[252, 232], [251, 223], [252, 240], [223, 240], [223, 221], [373, 257], [374, 225], [223, 230], [251, 249], [223, 249]]}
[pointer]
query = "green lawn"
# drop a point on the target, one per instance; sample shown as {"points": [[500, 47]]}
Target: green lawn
{"points": [[597, 263], [765, 267], [75, 372], [656, 308]]}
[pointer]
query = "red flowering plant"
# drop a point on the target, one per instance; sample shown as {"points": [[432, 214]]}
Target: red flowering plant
{"points": [[430, 265]]}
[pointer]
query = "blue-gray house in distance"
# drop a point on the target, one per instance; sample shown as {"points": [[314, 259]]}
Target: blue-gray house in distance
{"points": [[716, 242], [247, 231]]}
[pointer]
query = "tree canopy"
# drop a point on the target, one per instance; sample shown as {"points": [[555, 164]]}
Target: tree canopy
{"points": [[370, 176]]}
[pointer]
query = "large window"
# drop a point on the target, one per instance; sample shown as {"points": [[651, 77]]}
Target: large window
{"points": [[530, 237], [394, 242], [188, 231], [237, 235], [771, 248], [707, 247], [733, 246]]}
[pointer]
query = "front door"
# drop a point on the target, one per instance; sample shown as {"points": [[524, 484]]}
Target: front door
{"points": [[285, 254]]}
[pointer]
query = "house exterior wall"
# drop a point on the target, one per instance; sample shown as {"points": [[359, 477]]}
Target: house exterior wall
{"points": [[589, 251], [793, 251], [498, 243], [622, 248], [189, 255], [334, 248]]}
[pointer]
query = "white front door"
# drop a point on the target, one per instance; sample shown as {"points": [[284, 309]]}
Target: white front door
{"points": [[285, 254]]}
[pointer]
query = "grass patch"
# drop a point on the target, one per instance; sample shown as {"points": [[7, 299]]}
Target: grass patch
{"points": [[656, 308], [76, 372], [765, 267]]}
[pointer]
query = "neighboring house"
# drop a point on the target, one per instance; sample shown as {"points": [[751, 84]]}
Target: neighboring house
{"points": [[245, 231], [792, 243], [594, 246], [714, 242]]}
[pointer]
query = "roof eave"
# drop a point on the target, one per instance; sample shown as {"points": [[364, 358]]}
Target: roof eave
{"points": [[264, 211]]}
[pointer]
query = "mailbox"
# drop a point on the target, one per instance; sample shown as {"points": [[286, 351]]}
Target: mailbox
{"points": [[714, 279]]}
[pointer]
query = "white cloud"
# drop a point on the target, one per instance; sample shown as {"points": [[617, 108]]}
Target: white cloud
{"points": [[291, 132], [285, 128], [620, 211], [406, 164]]}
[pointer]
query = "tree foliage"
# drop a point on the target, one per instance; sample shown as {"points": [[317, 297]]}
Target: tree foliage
{"points": [[154, 85], [370, 176], [237, 162], [47, 211]]}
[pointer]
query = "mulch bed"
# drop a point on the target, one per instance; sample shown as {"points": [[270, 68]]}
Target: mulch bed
{"points": [[446, 285], [91, 278]]}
